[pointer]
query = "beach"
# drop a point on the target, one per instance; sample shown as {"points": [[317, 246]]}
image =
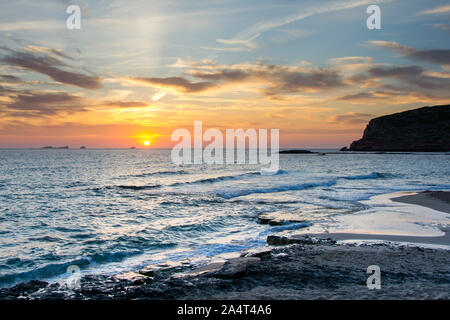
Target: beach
{"points": [[295, 266]]}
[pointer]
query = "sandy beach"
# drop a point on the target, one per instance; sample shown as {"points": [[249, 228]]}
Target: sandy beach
{"points": [[437, 200], [299, 266]]}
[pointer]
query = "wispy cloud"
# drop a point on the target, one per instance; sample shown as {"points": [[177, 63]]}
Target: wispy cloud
{"points": [[177, 83], [249, 35], [271, 79], [445, 27], [438, 10], [438, 56], [45, 62], [351, 118]]}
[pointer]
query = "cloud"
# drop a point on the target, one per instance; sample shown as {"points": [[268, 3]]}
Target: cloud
{"points": [[445, 27], [437, 10], [250, 34], [393, 97], [413, 75], [49, 65], [30, 25], [124, 104], [48, 51], [10, 79], [177, 83], [38, 104], [274, 79], [437, 56], [159, 95], [352, 118]]}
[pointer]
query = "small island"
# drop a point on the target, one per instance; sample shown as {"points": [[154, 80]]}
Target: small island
{"points": [[51, 147], [296, 151]]}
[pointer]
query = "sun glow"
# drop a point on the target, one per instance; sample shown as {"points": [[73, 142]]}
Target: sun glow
{"points": [[146, 143]]}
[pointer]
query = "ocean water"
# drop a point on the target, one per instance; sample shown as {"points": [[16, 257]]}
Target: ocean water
{"points": [[113, 210]]}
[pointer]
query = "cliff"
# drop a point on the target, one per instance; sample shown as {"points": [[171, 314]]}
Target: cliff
{"points": [[424, 129]]}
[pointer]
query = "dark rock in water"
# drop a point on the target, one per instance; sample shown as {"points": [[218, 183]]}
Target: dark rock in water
{"points": [[343, 149], [270, 221], [275, 240], [296, 152], [82, 147], [278, 218], [422, 130]]}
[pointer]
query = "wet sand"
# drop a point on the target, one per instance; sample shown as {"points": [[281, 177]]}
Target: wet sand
{"points": [[436, 200]]}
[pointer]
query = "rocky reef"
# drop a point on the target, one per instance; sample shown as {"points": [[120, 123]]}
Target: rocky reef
{"points": [[425, 129]]}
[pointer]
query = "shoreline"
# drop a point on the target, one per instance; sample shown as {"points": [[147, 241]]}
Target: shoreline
{"points": [[438, 201], [307, 265]]}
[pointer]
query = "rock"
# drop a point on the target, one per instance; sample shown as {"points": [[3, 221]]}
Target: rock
{"points": [[421, 130], [275, 240], [256, 252], [169, 266], [209, 269], [343, 149], [22, 289], [232, 268], [278, 218], [236, 267], [147, 271], [269, 221], [133, 277]]}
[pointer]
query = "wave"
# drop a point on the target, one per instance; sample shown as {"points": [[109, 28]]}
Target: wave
{"points": [[216, 179], [53, 270], [270, 173], [133, 187], [128, 187], [281, 188], [155, 173], [373, 175], [176, 184]]}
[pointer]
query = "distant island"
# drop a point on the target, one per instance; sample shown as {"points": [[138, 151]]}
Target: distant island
{"points": [[51, 147], [295, 151], [425, 129]]}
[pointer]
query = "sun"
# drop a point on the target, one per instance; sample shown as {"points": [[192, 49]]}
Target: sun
{"points": [[146, 143]]}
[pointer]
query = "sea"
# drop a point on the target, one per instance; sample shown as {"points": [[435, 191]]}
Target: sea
{"points": [[113, 210]]}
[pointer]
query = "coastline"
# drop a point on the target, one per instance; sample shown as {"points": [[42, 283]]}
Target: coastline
{"points": [[297, 266], [437, 200]]}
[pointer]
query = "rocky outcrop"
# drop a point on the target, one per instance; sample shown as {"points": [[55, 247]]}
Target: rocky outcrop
{"points": [[422, 130], [276, 240]]}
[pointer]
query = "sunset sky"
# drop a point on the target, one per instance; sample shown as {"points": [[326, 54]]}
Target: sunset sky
{"points": [[137, 70]]}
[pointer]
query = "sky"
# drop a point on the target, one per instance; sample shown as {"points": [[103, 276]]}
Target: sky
{"points": [[137, 70]]}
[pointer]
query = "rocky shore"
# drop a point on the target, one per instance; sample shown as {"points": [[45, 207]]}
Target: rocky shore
{"points": [[314, 268], [299, 266]]}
